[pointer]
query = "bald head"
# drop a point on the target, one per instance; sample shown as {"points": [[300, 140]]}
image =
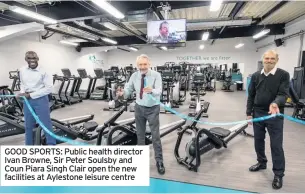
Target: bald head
{"points": [[270, 59], [32, 59], [271, 52]]}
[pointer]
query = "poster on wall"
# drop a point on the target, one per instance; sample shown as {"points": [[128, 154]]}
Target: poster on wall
{"points": [[96, 61], [209, 59]]}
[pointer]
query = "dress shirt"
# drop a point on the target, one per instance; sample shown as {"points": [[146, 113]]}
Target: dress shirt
{"points": [[271, 72], [37, 82], [152, 79]]}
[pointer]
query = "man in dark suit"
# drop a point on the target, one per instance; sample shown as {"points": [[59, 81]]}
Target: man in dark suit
{"points": [[268, 92]]}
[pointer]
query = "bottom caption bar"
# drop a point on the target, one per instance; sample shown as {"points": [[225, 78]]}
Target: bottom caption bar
{"points": [[75, 166]]}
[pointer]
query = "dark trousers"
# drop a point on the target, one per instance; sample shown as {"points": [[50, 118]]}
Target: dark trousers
{"points": [[150, 114], [42, 110], [275, 129]]}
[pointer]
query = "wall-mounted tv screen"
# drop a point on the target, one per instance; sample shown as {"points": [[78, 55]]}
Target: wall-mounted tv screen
{"points": [[166, 31]]}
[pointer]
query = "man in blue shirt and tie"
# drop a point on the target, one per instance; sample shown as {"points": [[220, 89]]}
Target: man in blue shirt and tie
{"points": [[146, 82], [36, 85]]}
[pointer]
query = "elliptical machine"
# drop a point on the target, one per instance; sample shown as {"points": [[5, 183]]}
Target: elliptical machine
{"points": [[167, 78], [114, 102], [198, 81], [210, 75], [129, 70], [177, 85]]}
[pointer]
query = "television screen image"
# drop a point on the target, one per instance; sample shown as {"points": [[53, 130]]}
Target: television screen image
{"points": [[166, 31]]}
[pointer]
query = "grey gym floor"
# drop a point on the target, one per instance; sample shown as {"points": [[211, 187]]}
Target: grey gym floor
{"points": [[227, 168]]}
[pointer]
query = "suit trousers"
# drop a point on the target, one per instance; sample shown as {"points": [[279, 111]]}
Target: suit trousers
{"points": [[275, 129], [150, 114], [42, 110]]}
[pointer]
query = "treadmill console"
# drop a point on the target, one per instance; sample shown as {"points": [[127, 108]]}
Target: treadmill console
{"points": [[82, 73], [99, 73], [66, 72], [110, 75]]}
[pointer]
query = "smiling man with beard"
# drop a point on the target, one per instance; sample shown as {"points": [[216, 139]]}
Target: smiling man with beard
{"points": [[268, 92], [36, 85], [144, 82]]}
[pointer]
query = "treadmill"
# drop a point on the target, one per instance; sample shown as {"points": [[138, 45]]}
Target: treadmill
{"points": [[72, 87], [85, 94], [100, 92]]}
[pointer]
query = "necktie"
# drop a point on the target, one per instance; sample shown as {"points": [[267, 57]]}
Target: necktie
{"points": [[142, 86]]}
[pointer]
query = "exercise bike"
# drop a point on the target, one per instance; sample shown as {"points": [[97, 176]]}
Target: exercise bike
{"points": [[204, 141], [198, 81]]}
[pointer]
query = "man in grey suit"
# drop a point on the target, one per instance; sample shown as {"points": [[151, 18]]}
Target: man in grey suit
{"points": [[146, 109]]}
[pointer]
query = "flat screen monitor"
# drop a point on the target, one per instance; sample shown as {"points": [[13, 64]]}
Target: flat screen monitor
{"points": [[166, 31]]}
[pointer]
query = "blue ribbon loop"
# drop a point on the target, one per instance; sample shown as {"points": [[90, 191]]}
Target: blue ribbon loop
{"points": [[227, 123], [73, 142], [52, 134]]}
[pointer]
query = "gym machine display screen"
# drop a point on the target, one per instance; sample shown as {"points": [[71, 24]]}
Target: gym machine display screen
{"points": [[161, 68], [82, 73], [66, 72], [109, 74], [99, 72]]}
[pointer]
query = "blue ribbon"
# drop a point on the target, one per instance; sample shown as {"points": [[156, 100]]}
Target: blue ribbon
{"points": [[73, 142], [52, 134], [228, 123]]}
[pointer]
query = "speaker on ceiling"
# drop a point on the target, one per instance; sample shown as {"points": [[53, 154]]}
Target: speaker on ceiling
{"points": [[78, 48], [278, 42]]}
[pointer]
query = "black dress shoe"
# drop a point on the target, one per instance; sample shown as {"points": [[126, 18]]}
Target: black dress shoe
{"points": [[277, 182], [160, 168], [257, 167]]}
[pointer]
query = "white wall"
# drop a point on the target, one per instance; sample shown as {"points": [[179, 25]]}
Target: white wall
{"points": [[289, 52], [53, 56], [222, 52]]}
